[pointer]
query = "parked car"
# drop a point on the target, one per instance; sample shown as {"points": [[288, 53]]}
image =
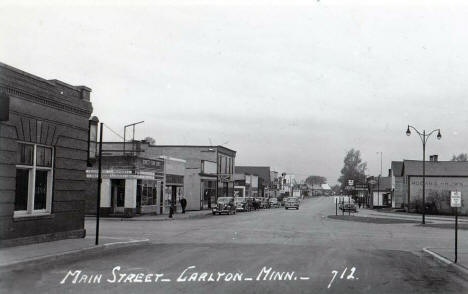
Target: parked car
{"points": [[242, 204], [260, 202], [224, 205], [274, 202], [265, 203], [291, 202], [348, 207]]}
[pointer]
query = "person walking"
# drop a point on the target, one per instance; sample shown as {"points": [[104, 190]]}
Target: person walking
{"points": [[171, 209], [183, 203]]}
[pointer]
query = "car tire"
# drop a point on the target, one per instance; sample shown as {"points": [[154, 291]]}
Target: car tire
{"points": [[214, 213]]}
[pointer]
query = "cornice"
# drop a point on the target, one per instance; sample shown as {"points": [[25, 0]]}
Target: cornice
{"points": [[39, 99]]}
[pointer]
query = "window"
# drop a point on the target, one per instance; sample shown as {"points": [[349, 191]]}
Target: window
{"points": [[34, 168]]}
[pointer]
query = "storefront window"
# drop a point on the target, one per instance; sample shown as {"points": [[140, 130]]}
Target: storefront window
{"points": [[148, 193]]}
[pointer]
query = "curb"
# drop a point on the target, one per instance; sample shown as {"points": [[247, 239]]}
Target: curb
{"points": [[439, 258], [73, 254], [159, 219]]}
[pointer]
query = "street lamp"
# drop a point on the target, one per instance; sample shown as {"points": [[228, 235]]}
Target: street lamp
{"points": [[424, 137]]}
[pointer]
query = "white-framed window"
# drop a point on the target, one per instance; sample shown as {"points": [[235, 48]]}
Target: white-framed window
{"points": [[34, 179]]}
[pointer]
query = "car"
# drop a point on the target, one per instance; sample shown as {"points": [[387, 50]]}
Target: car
{"points": [[274, 202], [224, 205], [242, 204], [348, 207], [291, 202], [260, 202]]}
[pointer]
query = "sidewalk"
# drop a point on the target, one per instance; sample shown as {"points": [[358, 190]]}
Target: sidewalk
{"points": [[447, 256], [158, 217], [18, 257], [440, 219]]}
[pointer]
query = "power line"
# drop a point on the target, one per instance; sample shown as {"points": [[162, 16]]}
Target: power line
{"points": [[113, 131]]}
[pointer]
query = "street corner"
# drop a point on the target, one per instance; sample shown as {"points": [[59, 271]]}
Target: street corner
{"points": [[445, 257], [371, 220], [41, 254]]}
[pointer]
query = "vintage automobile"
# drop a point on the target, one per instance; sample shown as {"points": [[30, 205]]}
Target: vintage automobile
{"points": [[291, 202], [241, 204], [274, 203], [348, 207], [224, 205]]}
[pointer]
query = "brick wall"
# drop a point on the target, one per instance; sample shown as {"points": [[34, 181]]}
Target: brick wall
{"points": [[54, 114]]}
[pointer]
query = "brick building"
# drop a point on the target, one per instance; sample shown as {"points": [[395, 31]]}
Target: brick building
{"points": [[43, 154]]}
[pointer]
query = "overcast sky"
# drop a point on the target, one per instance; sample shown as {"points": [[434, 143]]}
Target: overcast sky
{"points": [[288, 85]]}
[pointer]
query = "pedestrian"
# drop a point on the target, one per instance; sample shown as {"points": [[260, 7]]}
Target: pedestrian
{"points": [[183, 203], [171, 209]]}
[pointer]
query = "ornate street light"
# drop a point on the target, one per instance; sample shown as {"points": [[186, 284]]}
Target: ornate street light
{"points": [[424, 137]]}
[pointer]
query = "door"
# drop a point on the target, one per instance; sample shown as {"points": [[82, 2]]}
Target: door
{"points": [[174, 197], [118, 195]]}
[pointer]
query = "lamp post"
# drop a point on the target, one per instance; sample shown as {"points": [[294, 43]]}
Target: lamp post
{"points": [[424, 137], [378, 180]]}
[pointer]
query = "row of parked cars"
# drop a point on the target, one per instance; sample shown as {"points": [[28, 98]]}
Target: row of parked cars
{"points": [[231, 205]]}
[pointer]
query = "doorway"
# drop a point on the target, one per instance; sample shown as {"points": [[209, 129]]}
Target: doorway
{"points": [[118, 195]]}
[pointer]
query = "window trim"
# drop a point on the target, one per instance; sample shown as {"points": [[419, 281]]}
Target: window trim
{"points": [[30, 211]]}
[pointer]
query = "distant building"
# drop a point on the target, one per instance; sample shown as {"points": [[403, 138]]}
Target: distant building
{"points": [[398, 186], [442, 177], [381, 192], [264, 177], [43, 154], [246, 185], [208, 174]]}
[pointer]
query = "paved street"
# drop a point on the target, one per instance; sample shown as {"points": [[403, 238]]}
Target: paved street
{"points": [[275, 250]]}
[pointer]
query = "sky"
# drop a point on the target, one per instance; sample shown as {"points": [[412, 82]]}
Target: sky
{"points": [[287, 84]]}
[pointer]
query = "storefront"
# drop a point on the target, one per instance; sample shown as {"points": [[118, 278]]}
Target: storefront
{"points": [[124, 191], [208, 192], [174, 175]]}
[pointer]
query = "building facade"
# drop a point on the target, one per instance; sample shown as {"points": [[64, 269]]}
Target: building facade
{"points": [[43, 155], [441, 178], [134, 183], [208, 175]]}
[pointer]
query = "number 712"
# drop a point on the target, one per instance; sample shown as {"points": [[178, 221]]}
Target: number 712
{"points": [[342, 276]]}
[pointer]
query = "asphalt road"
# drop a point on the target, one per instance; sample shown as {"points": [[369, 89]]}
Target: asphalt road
{"points": [[266, 251]]}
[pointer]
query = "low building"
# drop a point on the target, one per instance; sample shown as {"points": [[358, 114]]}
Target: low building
{"points": [[398, 186], [133, 183], [208, 175], [265, 183], [246, 185], [441, 178], [43, 154], [381, 192]]}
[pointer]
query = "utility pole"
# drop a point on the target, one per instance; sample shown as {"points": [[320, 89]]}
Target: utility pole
{"points": [[98, 201]]}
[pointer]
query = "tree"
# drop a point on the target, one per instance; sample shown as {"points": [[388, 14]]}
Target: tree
{"points": [[315, 180], [460, 157], [150, 140], [353, 169]]}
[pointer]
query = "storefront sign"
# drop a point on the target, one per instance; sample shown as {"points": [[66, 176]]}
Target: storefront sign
{"points": [[120, 174]]}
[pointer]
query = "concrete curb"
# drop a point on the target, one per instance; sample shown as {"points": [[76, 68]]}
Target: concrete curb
{"points": [[72, 254], [147, 219], [458, 268]]}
